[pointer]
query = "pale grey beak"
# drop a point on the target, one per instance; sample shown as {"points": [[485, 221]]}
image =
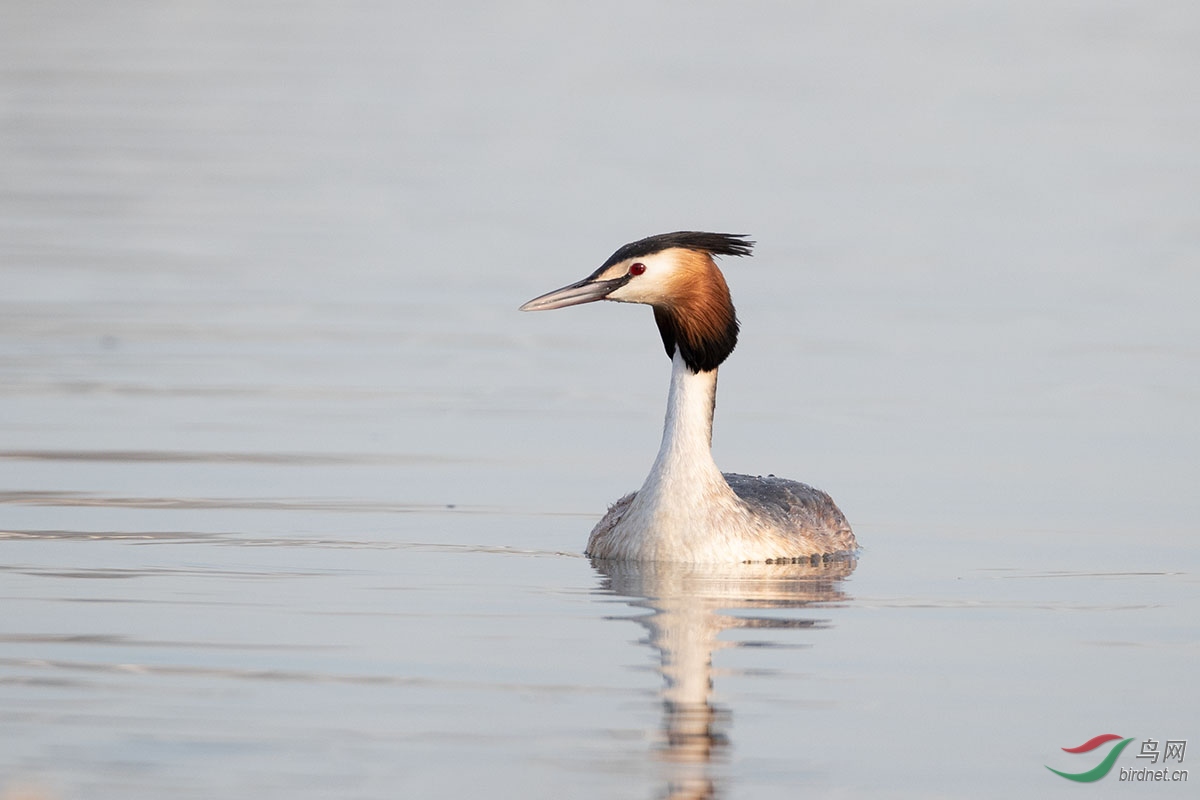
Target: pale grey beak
{"points": [[587, 290]]}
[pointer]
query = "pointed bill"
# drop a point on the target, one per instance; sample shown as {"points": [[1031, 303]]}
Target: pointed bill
{"points": [[587, 290]]}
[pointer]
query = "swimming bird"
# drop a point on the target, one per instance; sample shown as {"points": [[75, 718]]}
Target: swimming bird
{"points": [[687, 510]]}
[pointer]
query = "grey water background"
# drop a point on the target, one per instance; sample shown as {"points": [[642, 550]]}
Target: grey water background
{"points": [[293, 500]]}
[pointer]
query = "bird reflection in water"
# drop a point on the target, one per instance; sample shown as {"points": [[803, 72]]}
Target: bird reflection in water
{"points": [[691, 605]]}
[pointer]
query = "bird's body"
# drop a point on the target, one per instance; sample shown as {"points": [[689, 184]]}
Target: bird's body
{"points": [[687, 510]]}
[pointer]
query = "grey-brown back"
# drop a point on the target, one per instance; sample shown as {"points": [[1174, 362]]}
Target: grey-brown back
{"points": [[795, 506]]}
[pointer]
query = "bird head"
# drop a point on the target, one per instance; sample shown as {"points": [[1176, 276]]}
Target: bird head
{"points": [[676, 275]]}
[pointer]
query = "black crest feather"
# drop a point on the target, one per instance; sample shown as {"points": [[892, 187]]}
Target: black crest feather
{"points": [[719, 244]]}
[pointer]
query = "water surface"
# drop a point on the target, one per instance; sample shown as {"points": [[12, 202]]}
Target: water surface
{"points": [[292, 500]]}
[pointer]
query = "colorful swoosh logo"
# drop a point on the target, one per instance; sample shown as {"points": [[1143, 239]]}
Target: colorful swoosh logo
{"points": [[1092, 744], [1100, 770]]}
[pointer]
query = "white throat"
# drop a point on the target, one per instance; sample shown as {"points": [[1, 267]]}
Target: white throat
{"points": [[684, 496], [686, 449]]}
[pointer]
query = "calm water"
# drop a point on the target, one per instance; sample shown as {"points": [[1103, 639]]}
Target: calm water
{"points": [[292, 499]]}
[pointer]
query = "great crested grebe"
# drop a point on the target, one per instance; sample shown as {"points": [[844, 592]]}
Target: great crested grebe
{"points": [[687, 510]]}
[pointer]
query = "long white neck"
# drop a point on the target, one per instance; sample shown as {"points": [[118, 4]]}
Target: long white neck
{"points": [[685, 499], [686, 449]]}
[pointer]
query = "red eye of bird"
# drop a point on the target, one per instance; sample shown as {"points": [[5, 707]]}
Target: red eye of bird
{"points": [[637, 268]]}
